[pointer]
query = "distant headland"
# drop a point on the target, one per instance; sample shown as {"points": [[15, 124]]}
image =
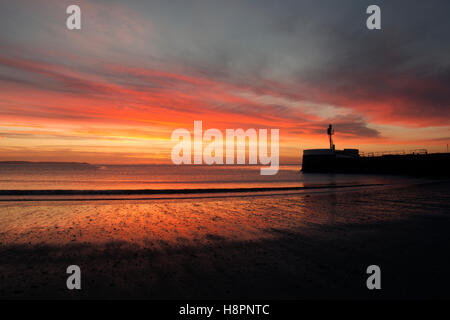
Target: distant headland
{"points": [[46, 163]]}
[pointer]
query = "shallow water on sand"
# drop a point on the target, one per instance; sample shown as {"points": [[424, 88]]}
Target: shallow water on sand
{"points": [[306, 245], [174, 221]]}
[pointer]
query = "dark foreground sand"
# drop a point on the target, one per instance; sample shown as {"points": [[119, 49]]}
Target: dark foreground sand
{"points": [[315, 245]]}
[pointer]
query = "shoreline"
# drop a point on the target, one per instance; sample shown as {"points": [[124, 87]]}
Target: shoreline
{"points": [[171, 191], [185, 194], [285, 247]]}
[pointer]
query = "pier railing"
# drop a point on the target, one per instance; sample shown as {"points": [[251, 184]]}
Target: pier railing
{"points": [[393, 152]]}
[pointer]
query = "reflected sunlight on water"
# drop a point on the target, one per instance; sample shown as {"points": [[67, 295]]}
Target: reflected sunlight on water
{"points": [[119, 177]]}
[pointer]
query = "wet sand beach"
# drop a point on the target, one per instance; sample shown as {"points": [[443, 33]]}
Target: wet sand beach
{"points": [[315, 244]]}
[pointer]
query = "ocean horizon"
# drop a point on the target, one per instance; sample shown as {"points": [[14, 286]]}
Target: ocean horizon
{"points": [[75, 176]]}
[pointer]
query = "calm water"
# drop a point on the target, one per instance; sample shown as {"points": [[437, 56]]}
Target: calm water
{"points": [[107, 177]]}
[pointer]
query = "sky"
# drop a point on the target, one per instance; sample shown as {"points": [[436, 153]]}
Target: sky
{"points": [[114, 91]]}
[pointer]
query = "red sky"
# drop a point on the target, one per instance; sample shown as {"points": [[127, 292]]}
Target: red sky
{"points": [[114, 91]]}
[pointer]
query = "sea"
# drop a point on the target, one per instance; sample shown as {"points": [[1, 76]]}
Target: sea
{"points": [[76, 176]]}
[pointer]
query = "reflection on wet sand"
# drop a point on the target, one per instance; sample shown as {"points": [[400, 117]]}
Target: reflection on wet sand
{"points": [[289, 246]]}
